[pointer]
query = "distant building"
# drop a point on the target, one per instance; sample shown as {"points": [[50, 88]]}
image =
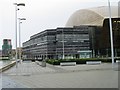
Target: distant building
{"points": [[13, 53], [6, 48]]}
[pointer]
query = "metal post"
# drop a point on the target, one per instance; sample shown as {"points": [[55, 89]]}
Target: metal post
{"points": [[63, 43], [111, 35], [16, 9], [19, 40], [20, 36], [16, 31], [46, 52]]}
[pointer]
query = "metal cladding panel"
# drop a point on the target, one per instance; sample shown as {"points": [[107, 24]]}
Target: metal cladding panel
{"points": [[92, 16]]}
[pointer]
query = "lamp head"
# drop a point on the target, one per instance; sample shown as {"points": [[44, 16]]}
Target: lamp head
{"points": [[22, 18], [20, 4]]}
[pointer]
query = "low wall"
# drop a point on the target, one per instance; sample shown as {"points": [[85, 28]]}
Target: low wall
{"points": [[6, 67]]}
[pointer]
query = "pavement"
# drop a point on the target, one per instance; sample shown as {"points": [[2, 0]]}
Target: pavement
{"points": [[32, 75]]}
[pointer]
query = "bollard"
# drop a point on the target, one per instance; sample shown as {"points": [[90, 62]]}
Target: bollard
{"points": [[43, 63]]}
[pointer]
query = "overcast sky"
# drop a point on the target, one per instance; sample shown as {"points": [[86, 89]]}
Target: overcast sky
{"points": [[40, 15]]}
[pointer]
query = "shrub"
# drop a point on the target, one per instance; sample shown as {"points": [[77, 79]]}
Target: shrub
{"points": [[53, 62], [78, 61], [106, 60]]}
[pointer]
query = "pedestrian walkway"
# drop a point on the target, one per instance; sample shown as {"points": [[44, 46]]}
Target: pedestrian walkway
{"points": [[32, 68], [33, 75], [9, 83], [28, 68]]}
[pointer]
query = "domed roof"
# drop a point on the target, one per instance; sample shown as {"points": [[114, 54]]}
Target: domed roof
{"points": [[93, 16]]}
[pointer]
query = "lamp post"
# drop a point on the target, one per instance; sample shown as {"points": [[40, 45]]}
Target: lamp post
{"points": [[16, 9], [111, 34], [20, 19], [63, 44]]}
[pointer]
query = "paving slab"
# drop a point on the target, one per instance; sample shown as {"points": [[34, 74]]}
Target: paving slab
{"points": [[32, 75], [7, 82]]}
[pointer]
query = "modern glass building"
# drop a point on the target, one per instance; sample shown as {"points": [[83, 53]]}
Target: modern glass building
{"points": [[60, 43]]}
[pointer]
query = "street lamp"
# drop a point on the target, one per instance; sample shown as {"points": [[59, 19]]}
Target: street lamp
{"points": [[20, 19], [63, 44], [16, 9], [111, 35]]}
